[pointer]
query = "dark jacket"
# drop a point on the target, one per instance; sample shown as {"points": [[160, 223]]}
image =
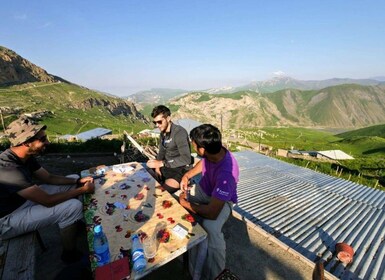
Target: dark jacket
{"points": [[174, 147], [15, 175]]}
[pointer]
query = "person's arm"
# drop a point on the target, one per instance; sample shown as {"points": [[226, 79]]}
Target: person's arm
{"points": [[35, 194], [157, 163], [48, 178], [189, 174], [162, 151], [183, 145], [209, 211]]}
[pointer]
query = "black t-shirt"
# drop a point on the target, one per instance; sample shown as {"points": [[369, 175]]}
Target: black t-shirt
{"points": [[14, 176]]}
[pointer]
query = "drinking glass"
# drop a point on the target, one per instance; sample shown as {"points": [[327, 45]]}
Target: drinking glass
{"points": [[150, 246]]}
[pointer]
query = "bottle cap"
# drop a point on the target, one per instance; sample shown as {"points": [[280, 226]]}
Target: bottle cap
{"points": [[98, 229]]}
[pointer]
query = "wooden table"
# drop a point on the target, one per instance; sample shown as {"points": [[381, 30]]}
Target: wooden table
{"points": [[125, 190]]}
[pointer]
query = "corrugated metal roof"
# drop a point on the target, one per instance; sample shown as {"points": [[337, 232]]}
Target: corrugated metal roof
{"points": [[93, 133], [187, 124], [335, 154], [311, 212], [89, 134]]}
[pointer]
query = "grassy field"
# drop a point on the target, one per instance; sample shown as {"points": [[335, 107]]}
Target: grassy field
{"points": [[376, 130], [293, 138], [317, 140], [367, 168]]}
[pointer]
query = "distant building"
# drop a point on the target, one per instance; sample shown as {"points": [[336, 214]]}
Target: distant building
{"points": [[322, 155], [68, 137], [334, 155], [282, 152], [187, 124], [294, 152], [87, 135]]}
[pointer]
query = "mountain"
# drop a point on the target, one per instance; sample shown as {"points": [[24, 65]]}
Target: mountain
{"points": [[283, 82], [155, 96], [272, 85], [342, 106], [376, 130], [379, 78], [16, 70], [69, 108], [161, 96], [227, 89], [63, 106]]}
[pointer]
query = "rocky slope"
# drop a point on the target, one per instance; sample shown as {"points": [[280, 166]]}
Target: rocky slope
{"points": [[115, 106], [345, 106], [16, 70]]}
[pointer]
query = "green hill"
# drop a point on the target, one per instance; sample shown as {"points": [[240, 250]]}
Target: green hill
{"points": [[368, 141], [342, 106], [375, 130], [66, 108], [364, 145], [69, 109]]}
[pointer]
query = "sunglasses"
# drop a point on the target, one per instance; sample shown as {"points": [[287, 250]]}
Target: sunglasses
{"points": [[158, 122]]}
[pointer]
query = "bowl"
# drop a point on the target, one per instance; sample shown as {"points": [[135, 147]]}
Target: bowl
{"points": [[344, 252]]}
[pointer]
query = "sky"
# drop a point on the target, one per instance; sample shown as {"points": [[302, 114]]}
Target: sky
{"points": [[121, 47]]}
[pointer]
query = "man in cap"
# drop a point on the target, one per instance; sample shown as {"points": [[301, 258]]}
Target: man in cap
{"points": [[25, 206], [174, 157]]}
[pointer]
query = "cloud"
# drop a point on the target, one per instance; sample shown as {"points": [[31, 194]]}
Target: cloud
{"points": [[20, 17], [279, 73]]}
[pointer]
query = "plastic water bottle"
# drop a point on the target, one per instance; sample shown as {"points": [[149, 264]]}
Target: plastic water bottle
{"points": [[101, 248], [138, 260], [188, 191]]}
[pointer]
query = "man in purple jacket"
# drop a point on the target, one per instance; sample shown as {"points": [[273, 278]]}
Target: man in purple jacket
{"points": [[213, 197]]}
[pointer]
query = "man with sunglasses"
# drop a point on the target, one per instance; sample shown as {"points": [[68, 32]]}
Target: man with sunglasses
{"points": [[174, 157], [25, 206]]}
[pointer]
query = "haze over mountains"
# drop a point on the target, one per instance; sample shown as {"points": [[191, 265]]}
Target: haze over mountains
{"points": [[282, 101], [159, 95]]}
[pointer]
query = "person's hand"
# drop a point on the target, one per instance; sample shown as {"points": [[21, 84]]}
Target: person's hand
{"points": [[184, 183], [88, 187], [84, 180], [182, 199], [158, 173], [154, 163]]}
